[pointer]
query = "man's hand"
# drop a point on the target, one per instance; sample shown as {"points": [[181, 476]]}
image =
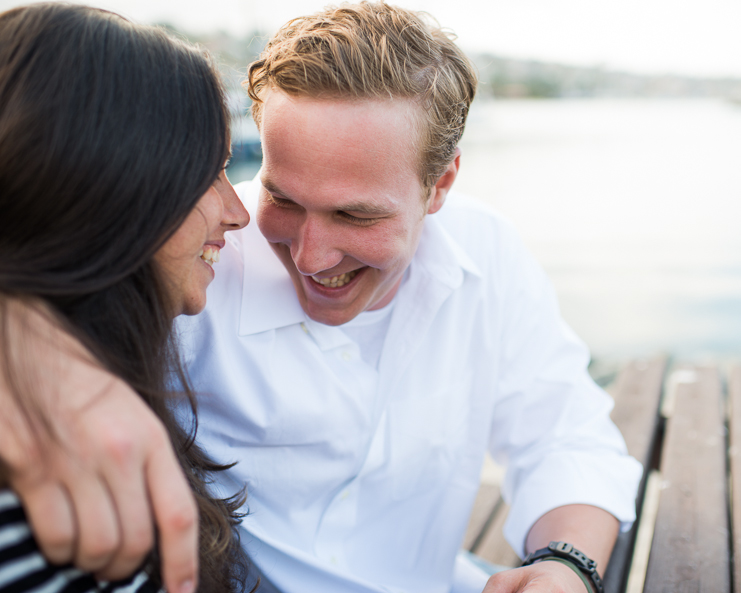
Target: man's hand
{"points": [[543, 577], [589, 529], [93, 489]]}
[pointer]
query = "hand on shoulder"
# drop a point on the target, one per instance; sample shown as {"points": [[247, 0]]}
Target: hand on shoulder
{"points": [[90, 461]]}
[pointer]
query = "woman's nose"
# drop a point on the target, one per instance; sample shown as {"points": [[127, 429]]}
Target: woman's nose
{"points": [[235, 214]]}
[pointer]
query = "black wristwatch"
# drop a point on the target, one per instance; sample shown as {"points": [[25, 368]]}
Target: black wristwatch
{"points": [[565, 551]]}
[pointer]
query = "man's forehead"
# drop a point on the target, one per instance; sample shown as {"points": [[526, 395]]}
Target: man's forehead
{"points": [[394, 117], [361, 155]]}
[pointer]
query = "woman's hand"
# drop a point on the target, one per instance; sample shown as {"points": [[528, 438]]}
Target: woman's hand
{"points": [[91, 462]]}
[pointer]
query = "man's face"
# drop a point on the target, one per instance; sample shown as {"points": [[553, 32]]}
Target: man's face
{"points": [[342, 203]]}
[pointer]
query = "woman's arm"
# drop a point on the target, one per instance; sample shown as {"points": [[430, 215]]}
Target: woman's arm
{"points": [[91, 462]]}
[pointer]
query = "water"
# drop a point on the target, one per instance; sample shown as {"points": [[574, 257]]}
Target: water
{"points": [[632, 207]]}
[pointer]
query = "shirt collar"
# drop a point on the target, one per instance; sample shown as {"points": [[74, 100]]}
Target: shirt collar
{"points": [[441, 255], [269, 299]]}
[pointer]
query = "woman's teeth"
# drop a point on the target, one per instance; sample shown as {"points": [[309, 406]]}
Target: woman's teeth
{"points": [[210, 255], [336, 281]]}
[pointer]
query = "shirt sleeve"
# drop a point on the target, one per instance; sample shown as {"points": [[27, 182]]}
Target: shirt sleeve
{"points": [[551, 425]]}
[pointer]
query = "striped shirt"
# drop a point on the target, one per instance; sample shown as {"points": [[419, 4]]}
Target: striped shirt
{"points": [[24, 569]]}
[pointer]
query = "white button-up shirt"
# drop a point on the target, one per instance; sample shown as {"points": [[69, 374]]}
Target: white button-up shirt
{"points": [[361, 479]]}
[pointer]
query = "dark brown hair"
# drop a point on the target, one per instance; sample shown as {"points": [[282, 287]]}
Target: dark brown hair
{"points": [[373, 50], [110, 133]]}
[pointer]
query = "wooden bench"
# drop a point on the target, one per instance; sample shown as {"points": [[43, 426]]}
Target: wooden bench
{"points": [[692, 542], [688, 536]]}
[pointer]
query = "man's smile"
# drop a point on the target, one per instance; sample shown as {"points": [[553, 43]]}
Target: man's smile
{"points": [[336, 281]]}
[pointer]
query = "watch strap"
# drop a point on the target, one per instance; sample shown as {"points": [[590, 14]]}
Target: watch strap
{"points": [[565, 551], [573, 567]]}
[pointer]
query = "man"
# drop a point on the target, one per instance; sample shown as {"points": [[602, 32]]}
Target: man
{"points": [[375, 335]]}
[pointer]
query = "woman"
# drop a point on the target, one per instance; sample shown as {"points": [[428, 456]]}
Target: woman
{"points": [[113, 208]]}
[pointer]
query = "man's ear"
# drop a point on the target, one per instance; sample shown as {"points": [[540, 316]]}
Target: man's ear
{"points": [[440, 190]]}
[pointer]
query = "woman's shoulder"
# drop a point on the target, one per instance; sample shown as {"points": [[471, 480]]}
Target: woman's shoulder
{"points": [[23, 568]]}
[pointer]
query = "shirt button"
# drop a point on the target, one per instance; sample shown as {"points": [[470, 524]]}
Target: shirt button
{"points": [[345, 495], [333, 559], [303, 327], [346, 356]]}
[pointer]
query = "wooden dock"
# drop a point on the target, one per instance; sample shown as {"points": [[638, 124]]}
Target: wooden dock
{"points": [[683, 422]]}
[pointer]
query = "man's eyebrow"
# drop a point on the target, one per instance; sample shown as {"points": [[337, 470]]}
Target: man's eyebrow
{"points": [[271, 187], [357, 207]]}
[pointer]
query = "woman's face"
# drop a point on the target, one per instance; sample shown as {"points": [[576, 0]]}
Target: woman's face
{"points": [[187, 259]]}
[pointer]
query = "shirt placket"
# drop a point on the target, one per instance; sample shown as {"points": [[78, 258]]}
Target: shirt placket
{"points": [[340, 514]]}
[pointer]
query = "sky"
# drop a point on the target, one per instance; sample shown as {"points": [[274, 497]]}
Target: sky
{"points": [[694, 37]]}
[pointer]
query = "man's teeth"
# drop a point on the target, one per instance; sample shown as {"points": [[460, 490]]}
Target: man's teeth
{"points": [[210, 255], [336, 281]]}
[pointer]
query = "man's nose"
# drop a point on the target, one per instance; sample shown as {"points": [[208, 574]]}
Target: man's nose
{"points": [[313, 249]]}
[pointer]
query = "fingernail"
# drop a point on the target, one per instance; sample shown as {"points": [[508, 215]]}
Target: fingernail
{"points": [[187, 587]]}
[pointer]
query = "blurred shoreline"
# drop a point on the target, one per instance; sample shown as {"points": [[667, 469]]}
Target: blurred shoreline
{"points": [[631, 206]]}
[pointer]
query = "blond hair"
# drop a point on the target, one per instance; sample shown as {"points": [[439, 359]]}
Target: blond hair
{"points": [[373, 50]]}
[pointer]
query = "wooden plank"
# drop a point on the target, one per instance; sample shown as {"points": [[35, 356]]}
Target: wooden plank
{"points": [[645, 535], [483, 508], [690, 550], [734, 458], [637, 392], [493, 547]]}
